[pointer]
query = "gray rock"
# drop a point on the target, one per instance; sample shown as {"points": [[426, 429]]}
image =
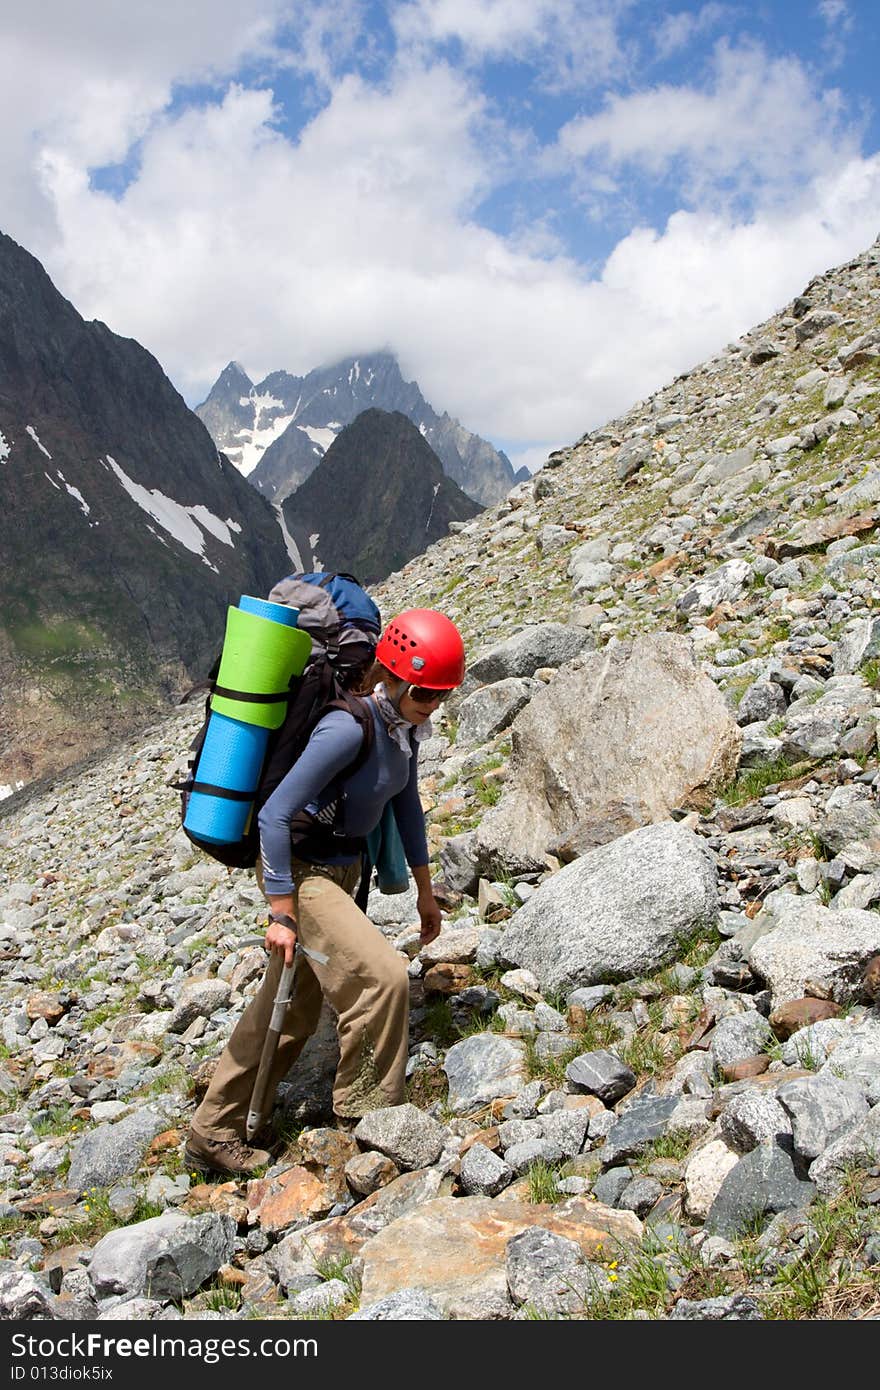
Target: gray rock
{"points": [[198, 999], [405, 1305], [481, 1069], [637, 725], [644, 1120], [115, 1151], [491, 709], [520, 1157], [632, 455], [762, 701], [850, 827], [166, 1257], [483, 1173], [821, 1107], [761, 1183], [724, 585], [404, 1133], [854, 1055], [25, 1297], [751, 1118], [737, 1307], [609, 1186], [811, 945], [857, 1147], [816, 322], [623, 910], [602, 1074], [548, 1272], [640, 1196], [567, 1129], [459, 862], [740, 1036], [323, 1298], [539, 644], [455, 944], [590, 997]]}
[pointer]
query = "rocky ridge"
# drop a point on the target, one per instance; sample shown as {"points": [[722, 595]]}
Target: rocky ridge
{"points": [[645, 1049]]}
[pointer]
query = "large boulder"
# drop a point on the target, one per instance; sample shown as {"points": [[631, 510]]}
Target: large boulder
{"points": [[812, 949], [637, 723], [113, 1151], [624, 909], [167, 1257], [491, 709], [539, 644], [456, 1247]]}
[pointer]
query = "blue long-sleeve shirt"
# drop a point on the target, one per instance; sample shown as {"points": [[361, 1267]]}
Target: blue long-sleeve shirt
{"points": [[386, 775]]}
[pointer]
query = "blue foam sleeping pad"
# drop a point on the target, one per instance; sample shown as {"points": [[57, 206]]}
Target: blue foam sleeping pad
{"points": [[232, 757]]}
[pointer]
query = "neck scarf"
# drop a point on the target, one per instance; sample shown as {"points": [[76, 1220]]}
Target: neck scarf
{"points": [[399, 729]]}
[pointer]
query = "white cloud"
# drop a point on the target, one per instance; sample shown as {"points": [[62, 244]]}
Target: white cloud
{"points": [[837, 17], [675, 31], [88, 80], [571, 43], [234, 239], [759, 123]]}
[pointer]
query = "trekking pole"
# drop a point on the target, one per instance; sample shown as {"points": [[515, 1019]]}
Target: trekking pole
{"points": [[283, 996]]}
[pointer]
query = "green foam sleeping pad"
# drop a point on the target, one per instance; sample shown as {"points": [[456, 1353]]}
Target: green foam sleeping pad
{"points": [[259, 658]]}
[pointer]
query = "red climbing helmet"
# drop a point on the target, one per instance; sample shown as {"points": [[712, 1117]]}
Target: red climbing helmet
{"points": [[423, 647]]}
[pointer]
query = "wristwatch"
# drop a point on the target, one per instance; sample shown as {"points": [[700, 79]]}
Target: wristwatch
{"points": [[283, 919]]}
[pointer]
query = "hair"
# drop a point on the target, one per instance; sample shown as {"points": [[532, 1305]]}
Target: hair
{"points": [[373, 675]]}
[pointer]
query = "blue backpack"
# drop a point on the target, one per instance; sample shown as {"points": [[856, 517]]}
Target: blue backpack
{"points": [[344, 625]]}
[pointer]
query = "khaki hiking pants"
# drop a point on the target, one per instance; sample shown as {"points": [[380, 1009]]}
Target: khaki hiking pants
{"points": [[366, 982]]}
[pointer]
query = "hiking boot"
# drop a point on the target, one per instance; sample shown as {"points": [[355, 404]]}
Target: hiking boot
{"points": [[233, 1157]]}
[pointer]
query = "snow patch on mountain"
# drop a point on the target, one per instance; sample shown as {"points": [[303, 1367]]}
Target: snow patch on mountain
{"points": [[255, 441], [29, 429], [4, 448], [74, 492], [322, 437], [292, 547], [183, 523]]}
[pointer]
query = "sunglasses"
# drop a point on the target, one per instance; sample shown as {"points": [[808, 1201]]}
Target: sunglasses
{"points": [[423, 695]]}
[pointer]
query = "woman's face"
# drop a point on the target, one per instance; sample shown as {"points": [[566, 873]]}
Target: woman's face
{"points": [[415, 711]]}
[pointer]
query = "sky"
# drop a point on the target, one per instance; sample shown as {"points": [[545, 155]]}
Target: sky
{"points": [[546, 208]]}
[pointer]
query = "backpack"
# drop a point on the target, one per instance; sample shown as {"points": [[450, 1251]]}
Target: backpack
{"points": [[343, 623]]}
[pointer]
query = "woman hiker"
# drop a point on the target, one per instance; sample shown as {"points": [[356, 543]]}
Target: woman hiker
{"points": [[420, 660]]}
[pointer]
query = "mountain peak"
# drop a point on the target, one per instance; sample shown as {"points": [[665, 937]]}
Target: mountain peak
{"points": [[277, 431]]}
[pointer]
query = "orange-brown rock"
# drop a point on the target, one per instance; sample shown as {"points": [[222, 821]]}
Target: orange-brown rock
{"points": [[368, 1172], [447, 979], [666, 566], [800, 1013], [297, 1193], [118, 1056], [457, 1247], [489, 1137], [168, 1139], [746, 1068], [225, 1198], [47, 1005], [871, 979], [56, 1200], [327, 1148], [200, 1079], [260, 1289]]}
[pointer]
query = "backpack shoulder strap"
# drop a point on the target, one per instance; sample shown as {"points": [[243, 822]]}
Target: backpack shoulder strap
{"points": [[359, 709]]}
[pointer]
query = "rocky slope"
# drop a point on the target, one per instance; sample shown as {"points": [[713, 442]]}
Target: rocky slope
{"points": [[123, 534], [645, 1050], [378, 497], [277, 431]]}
